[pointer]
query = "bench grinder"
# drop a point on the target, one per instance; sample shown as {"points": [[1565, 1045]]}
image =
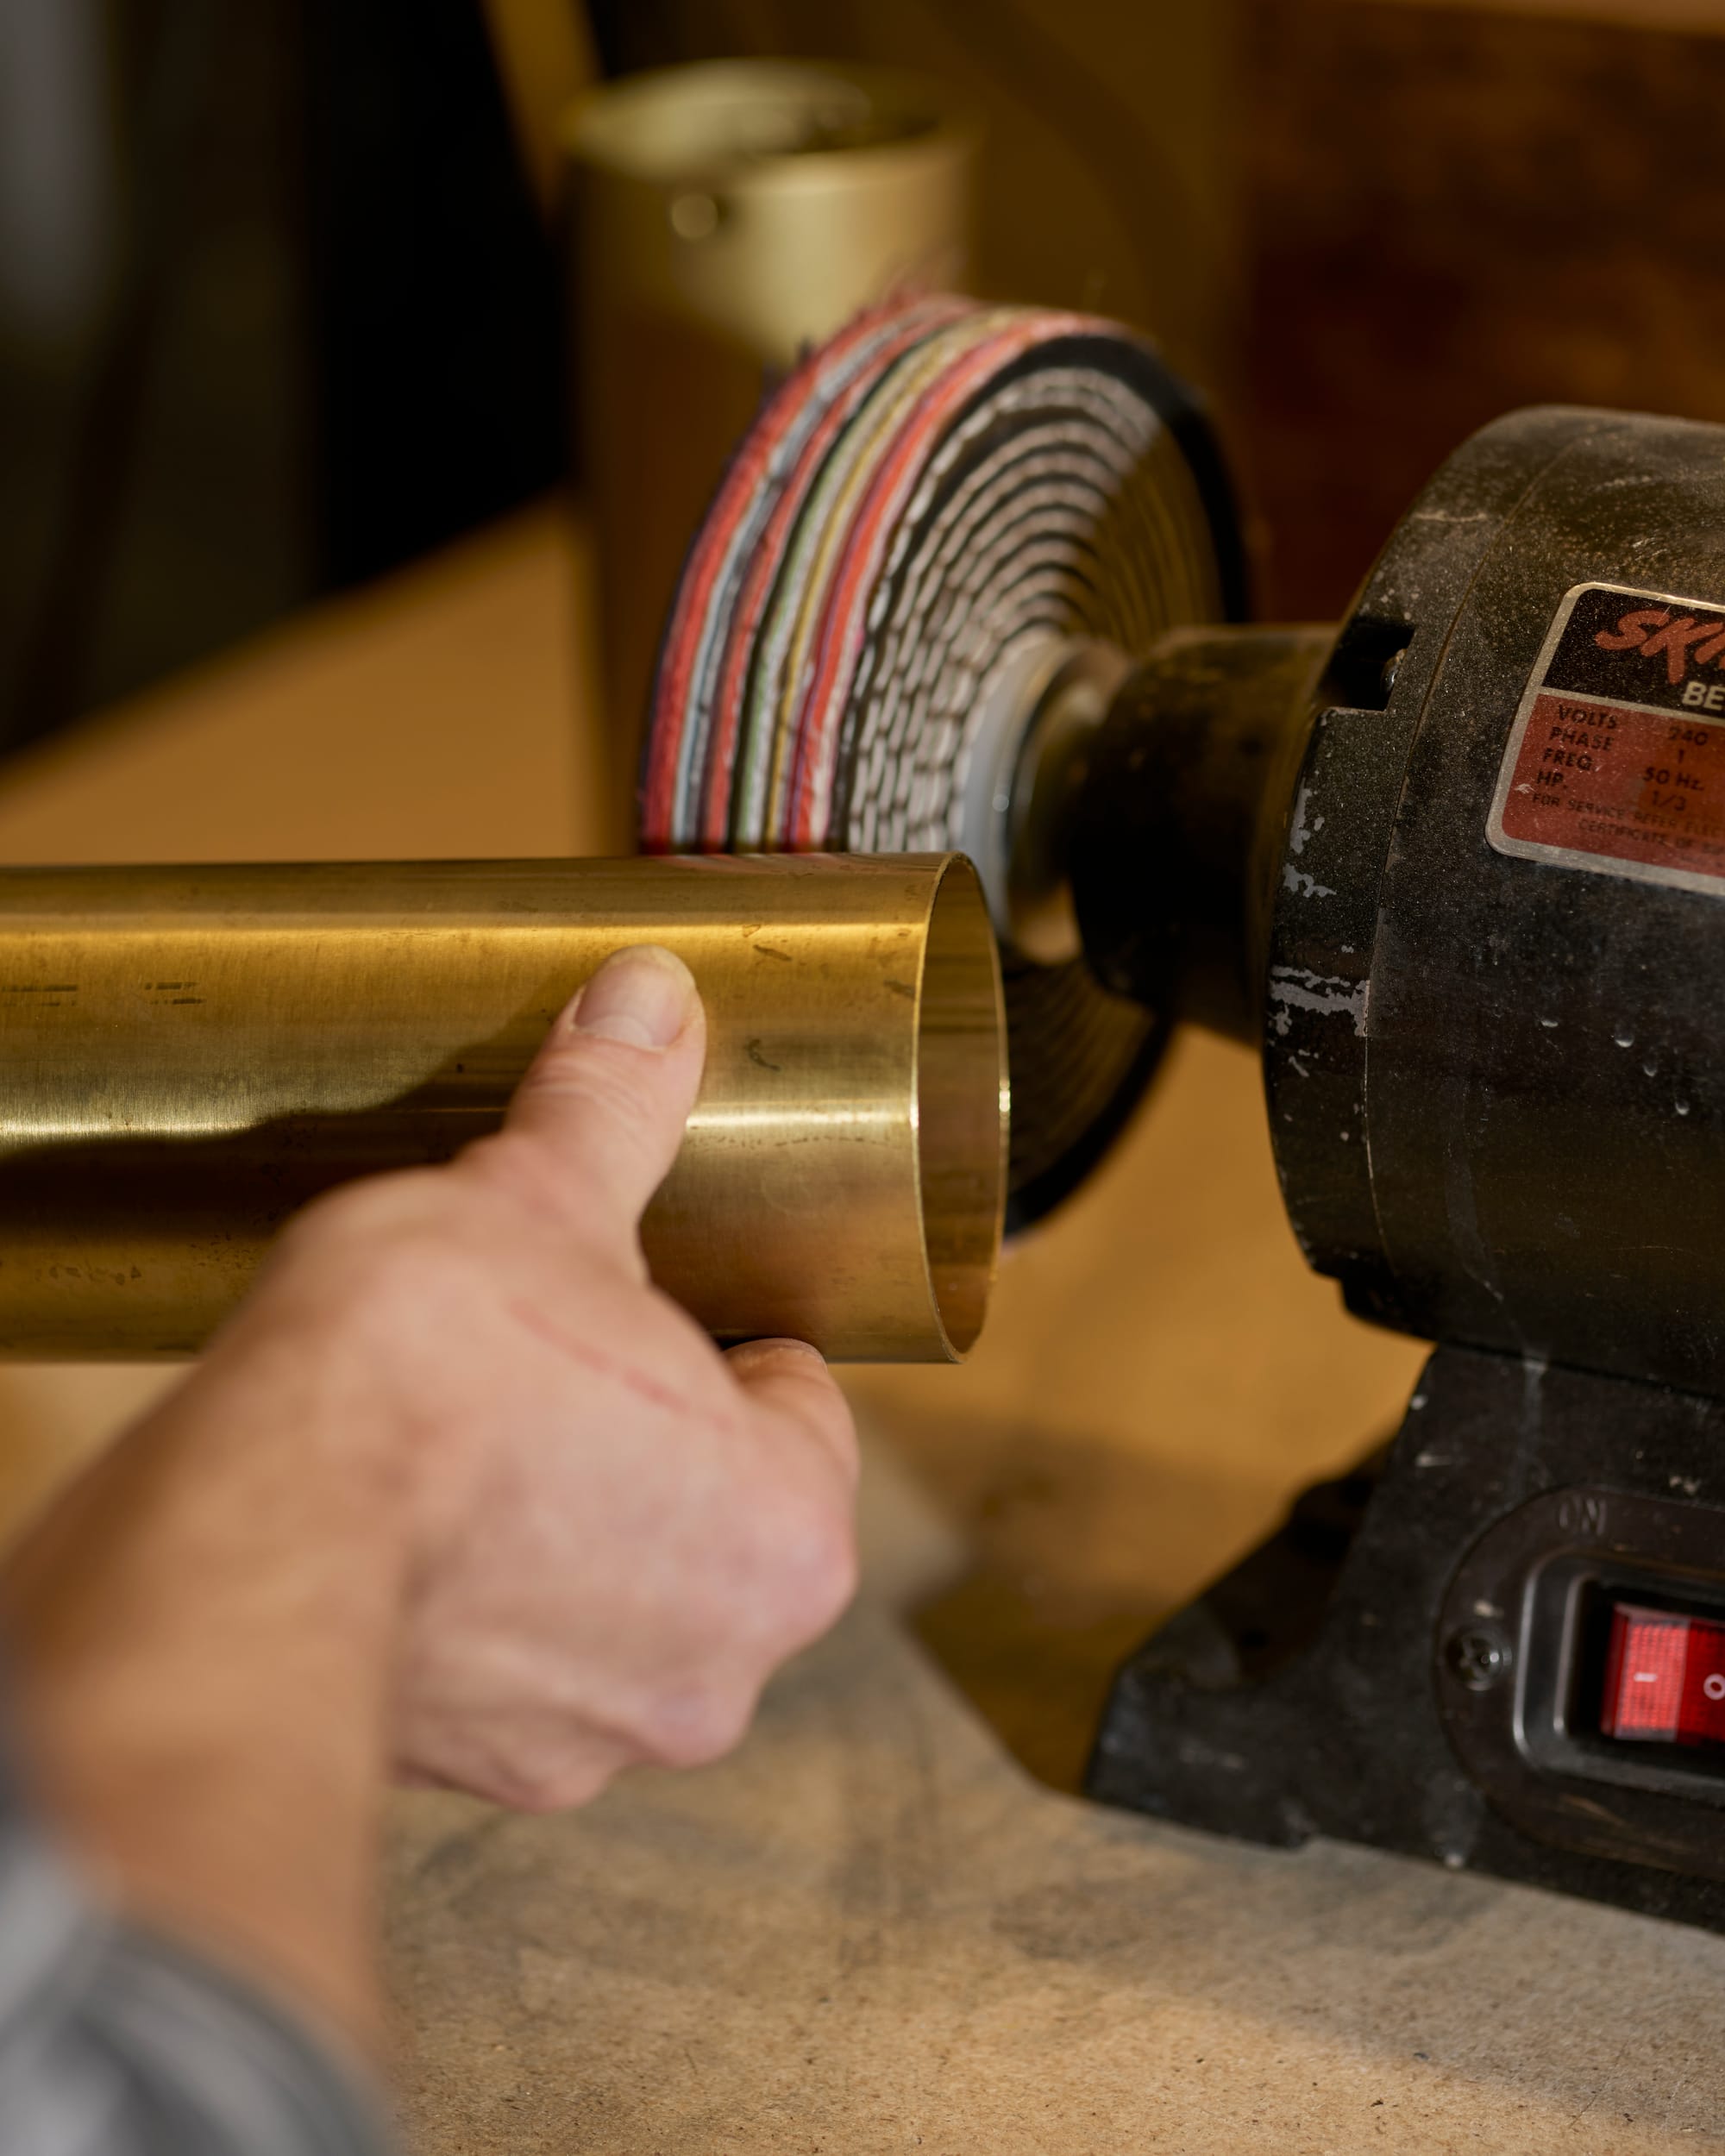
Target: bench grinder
{"points": [[1457, 868]]}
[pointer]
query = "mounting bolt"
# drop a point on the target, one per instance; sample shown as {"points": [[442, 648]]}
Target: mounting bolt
{"points": [[1477, 1659]]}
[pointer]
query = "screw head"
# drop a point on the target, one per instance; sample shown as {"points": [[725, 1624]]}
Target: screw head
{"points": [[1477, 1659]]}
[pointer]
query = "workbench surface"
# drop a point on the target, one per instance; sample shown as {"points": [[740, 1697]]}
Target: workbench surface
{"points": [[875, 1929]]}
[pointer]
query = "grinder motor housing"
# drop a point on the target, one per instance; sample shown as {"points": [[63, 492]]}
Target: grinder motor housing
{"points": [[1457, 870], [1461, 872]]}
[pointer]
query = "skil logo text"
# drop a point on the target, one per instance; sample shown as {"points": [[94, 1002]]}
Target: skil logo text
{"points": [[1681, 640]]}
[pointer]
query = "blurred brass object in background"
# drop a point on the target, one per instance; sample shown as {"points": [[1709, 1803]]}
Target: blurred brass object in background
{"points": [[545, 60], [726, 215], [192, 1053]]}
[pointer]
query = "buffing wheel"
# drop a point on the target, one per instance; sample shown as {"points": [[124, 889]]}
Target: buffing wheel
{"points": [[927, 515]]}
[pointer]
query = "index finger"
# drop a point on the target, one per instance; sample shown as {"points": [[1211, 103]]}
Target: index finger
{"points": [[791, 1379]]}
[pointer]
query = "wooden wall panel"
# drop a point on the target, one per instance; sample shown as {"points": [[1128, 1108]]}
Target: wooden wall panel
{"points": [[1456, 211]]}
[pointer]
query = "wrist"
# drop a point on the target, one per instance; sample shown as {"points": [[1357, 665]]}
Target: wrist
{"points": [[203, 1632]]}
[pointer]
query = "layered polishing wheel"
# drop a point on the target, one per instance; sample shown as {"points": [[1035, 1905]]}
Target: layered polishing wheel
{"points": [[939, 493]]}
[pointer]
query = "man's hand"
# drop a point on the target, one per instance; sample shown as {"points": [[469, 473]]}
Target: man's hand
{"points": [[619, 1532], [457, 1493]]}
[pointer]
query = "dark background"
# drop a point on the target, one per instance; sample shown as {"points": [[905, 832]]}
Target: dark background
{"points": [[327, 338], [318, 331]]}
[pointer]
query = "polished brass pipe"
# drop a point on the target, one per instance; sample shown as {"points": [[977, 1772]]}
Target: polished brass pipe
{"points": [[187, 1055]]}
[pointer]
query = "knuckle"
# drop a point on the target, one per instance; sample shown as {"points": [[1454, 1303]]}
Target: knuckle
{"points": [[607, 1077], [584, 1117], [552, 1194], [374, 1273], [813, 1569], [509, 1167], [359, 1216], [535, 1764], [540, 1789], [330, 1223], [694, 1728], [412, 1269]]}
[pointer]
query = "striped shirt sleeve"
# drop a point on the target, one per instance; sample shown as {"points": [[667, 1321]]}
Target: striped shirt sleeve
{"points": [[115, 2042]]}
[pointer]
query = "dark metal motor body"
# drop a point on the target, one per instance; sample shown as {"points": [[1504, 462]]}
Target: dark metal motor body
{"points": [[1461, 870]]}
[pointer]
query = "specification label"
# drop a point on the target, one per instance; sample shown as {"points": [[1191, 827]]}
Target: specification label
{"points": [[1616, 759]]}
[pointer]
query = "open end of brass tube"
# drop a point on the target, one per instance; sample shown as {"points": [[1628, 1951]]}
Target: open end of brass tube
{"points": [[962, 1106]]}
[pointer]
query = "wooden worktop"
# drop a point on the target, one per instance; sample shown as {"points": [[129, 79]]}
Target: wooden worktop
{"points": [[874, 1930]]}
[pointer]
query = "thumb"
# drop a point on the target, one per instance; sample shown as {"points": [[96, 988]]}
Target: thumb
{"points": [[603, 1102]]}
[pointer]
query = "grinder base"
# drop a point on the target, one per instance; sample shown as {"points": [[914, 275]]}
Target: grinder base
{"points": [[1419, 1659]]}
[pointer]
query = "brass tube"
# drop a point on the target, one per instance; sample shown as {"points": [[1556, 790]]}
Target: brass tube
{"points": [[187, 1055]]}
